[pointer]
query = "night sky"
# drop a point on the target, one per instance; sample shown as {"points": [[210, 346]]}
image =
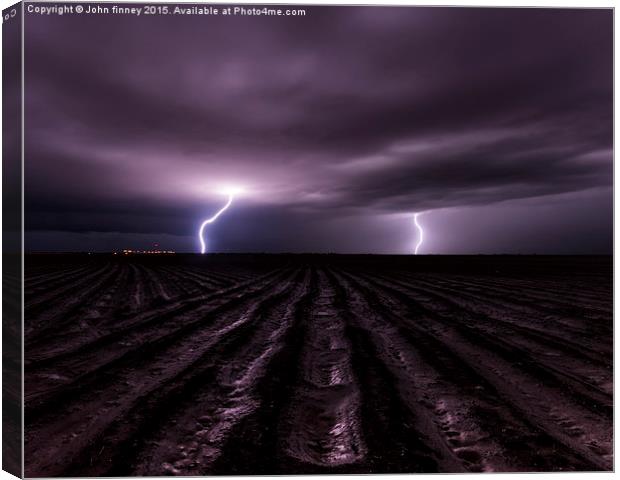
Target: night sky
{"points": [[339, 125]]}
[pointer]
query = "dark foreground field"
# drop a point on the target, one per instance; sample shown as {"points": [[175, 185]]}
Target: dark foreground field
{"points": [[225, 364]]}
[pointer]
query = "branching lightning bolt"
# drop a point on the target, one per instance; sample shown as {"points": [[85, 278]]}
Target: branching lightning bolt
{"points": [[421, 232], [203, 246]]}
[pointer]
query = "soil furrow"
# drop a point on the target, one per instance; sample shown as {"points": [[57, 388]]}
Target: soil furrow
{"points": [[323, 422], [129, 324], [60, 380], [315, 364], [593, 391], [550, 336], [126, 385], [192, 440], [563, 320], [552, 409], [557, 298]]}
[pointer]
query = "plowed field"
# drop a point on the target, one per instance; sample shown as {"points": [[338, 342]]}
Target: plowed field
{"points": [[265, 364]]}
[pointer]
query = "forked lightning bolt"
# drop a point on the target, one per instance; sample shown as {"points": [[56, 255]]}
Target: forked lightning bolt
{"points": [[421, 232], [203, 246]]}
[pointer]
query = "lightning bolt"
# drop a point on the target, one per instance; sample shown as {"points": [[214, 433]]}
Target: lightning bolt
{"points": [[203, 246], [421, 234]]}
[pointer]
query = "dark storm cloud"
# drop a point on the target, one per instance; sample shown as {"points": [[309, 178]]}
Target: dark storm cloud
{"points": [[132, 122]]}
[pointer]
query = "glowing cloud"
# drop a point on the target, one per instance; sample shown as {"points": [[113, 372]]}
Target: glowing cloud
{"points": [[420, 234], [231, 192]]}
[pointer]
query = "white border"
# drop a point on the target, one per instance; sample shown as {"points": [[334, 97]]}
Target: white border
{"points": [[476, 3]]}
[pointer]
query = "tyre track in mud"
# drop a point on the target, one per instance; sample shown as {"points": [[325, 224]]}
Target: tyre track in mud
{"points": [[314, 367], [56, 312], [396, 435], [59, 377], [551, 343], [48, 354], [164, 429], [417, 365], [454, 390], [253, 445], [263, 443], [549, 347], [330, 410], [560, 302], [125, 387], [530, 316], [39, 298], [55, 291], [154, 291], [208, 280], [189, 283], [215, 279], [196, 435], [551, 408], [575, 287], [42, 283], [322, 424], [594, 391]]}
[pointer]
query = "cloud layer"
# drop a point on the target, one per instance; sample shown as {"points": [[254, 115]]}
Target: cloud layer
{"points": [[364, 113]]}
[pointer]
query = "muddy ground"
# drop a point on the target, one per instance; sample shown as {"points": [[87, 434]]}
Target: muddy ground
{"points": [[259, 364]]}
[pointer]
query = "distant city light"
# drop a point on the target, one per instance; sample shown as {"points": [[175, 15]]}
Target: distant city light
{"points": [[145, 252]]}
